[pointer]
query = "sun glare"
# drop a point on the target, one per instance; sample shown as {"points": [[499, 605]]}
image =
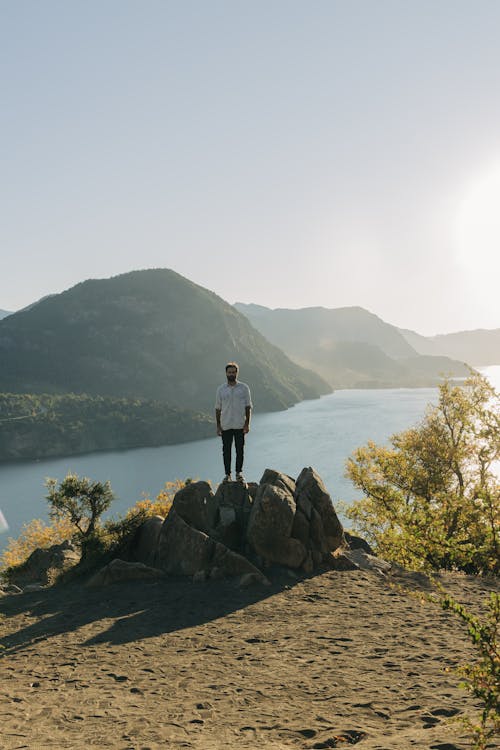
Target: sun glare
{"points": [[478, 226]]}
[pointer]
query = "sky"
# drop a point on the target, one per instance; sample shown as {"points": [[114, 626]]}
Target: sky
{"points": [[291, 154]]}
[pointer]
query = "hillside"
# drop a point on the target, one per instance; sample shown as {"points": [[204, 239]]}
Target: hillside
{"points": [[480, 347], [45, 426], [349, 347], [4, 313], [146, 334]]}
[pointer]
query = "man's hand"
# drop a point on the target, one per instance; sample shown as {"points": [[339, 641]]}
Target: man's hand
{"points": [[246, 428], [219, 430]]}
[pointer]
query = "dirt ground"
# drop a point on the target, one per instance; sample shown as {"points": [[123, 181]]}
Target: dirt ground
{"points": [[333, 660]]}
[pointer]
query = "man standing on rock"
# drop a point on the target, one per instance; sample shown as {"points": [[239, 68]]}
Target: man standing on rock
{"points": [[233, 405]]}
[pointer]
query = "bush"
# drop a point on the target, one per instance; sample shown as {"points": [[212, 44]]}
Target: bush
{"points": [[431, 497], [483, 678], [80, 500]]}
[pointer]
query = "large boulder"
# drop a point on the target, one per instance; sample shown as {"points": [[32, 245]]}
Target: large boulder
{"points": [[234, 505], [278, 479], [196, 505], [270, 525], [316, 504], [122, 571], [187, 551], [143, 547]]}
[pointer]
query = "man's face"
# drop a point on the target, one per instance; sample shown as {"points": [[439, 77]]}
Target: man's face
{"points": [[231, 374]]}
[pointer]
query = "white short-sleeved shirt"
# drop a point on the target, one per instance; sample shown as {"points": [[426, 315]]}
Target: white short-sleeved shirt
{"points": [[232, 401]]}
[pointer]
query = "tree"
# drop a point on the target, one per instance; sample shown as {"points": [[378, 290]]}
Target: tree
{"points": [[79, 499], [432, 498]]}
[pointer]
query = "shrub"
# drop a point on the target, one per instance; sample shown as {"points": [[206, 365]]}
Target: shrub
{"points": [[482, 678], [431, 497], [80, 500], [162, 503]]}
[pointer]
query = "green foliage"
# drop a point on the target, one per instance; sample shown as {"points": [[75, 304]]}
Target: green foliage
{"points": [[483, 678], [79, 499], [432, 499], [44, 425]]}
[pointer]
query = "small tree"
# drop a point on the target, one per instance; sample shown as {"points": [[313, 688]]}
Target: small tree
{"points": [[80, 500], [431, 497]]}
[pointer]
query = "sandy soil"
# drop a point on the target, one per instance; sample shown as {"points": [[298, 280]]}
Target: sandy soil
{"points": [[337, 659]]}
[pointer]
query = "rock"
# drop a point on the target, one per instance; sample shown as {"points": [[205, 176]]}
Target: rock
{"points": [[356, 542], [270, 526], [33, 587], [143, 548], [11, 588], [43, 565], [364, 561], [310, 494], [187, 551], [278, 479], [120, 571], [339, 560], [317, 533], [234, 505], [249, 579], [300, 527], [196, 505], [182, 549], [199, 576]]}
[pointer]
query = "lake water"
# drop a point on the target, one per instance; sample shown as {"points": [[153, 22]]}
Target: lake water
{"points": [[321, 433]]}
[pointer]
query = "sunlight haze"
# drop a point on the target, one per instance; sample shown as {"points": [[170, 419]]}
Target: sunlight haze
{"points": [[285, 153]]}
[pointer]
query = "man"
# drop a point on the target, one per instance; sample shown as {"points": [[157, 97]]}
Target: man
{"points": [[233, 405]]}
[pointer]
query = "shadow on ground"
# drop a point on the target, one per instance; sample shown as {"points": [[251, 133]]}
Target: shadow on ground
{"points": [[127, 611]]}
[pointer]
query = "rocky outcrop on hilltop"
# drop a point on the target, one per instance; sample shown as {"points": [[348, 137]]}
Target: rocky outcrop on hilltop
{"points": [[244, 530]]}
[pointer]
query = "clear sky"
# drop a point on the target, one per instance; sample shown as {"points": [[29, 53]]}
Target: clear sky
{"points": [[287, 153]]}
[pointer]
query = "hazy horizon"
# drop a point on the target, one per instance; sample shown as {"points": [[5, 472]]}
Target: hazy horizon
{"points": [[282, 153]]}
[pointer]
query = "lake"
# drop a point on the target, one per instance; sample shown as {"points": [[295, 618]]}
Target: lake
{"points": [[321, 433]]}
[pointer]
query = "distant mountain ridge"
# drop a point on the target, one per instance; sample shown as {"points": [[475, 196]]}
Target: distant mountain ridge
{"points": [[350, 347], [480, 347], [149, 334], [4, 313]]}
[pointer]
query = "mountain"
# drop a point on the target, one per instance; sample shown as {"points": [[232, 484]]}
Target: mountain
{"points": [[145, 334], [349, 347], [480, 347], [4, 313]]}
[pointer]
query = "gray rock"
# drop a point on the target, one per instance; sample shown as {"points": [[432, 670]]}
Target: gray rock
{"points": [[122, 571], [234, 505], [250, 579], [357, 542], [364, 561], [31, 587], [186, 551], [181, 548], [271, 476], [270, 526], [196, 505], [311, 494], [300, 528], [43, 565], [144, 546]]}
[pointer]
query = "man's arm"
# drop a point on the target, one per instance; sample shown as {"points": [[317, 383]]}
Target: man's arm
{"points": [[217, 419]]}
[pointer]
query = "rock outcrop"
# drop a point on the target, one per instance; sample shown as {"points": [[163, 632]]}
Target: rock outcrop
{"points": [[44, 566], [243, 529]]}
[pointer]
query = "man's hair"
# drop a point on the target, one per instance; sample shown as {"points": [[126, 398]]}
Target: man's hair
{"points": [[232, 364]]}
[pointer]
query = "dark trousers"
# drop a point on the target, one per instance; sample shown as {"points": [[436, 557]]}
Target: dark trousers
{"points": [[239, 442]]}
